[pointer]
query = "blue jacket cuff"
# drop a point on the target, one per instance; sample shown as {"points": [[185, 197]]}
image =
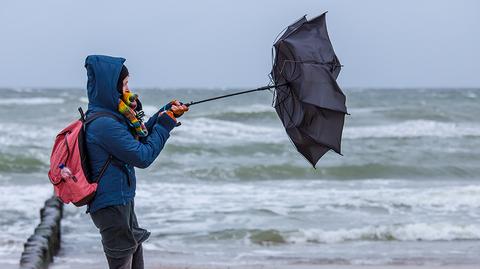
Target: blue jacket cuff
{"points": [[166, 122]]}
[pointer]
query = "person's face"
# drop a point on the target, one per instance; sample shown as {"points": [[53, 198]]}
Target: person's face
{"points": [[125, 85], [126, 89]]}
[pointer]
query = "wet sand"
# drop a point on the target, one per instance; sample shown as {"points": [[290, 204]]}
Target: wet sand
{"points": [[289, 266], [323, 267], [155, 261]]}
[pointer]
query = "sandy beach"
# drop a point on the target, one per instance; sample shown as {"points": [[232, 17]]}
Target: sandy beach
{"points": [[326, 266], [155, 261], [291, 266]]}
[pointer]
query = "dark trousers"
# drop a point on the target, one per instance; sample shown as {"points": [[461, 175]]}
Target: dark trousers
{"points": [[133, 261], [122, 238]]}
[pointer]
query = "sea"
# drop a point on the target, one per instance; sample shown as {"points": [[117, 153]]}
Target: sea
{"points": [[230, 189]]}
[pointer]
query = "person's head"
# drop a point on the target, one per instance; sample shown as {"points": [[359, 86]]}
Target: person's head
{"points": [[124, 90], [122, 84]]}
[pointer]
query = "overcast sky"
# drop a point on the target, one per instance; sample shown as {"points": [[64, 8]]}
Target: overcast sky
{"points": [[224, 44]]}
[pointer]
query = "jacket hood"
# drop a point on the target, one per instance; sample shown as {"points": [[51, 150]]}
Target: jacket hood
{"points": [[103, 73]]}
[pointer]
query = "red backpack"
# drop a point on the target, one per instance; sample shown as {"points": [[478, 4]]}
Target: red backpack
{"points": [[69, 167]]}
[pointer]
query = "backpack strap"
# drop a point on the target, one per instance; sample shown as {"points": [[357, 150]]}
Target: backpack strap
{"points": [[95, 115], [104, 168]]}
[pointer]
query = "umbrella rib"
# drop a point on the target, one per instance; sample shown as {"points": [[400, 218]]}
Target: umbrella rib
{"points": [[284, 99], [283, 103]]}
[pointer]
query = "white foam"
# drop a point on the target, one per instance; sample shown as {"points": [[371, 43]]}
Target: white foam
{"points": [[21, 89], [436, 199], [205, 130], [25, 198], [181, 214], [470, 94], [25, 201], [254, 108], [363, 111], [18, 134], [83, 99], [247, 109], [413, 128], [311, 197], [400, 232], [32, 101], [149, 110]]}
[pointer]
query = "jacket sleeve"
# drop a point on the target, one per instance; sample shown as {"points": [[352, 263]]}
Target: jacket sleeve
{"points": [[151, 122], [116, 139], [153, 119]]}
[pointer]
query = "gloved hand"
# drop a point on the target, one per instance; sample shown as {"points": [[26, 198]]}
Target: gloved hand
{"points": [[170, 112], [178, 108]]}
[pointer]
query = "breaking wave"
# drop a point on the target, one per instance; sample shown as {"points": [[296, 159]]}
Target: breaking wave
{"points": [[400, 232], [32, 101], [20, 163], [412, 129], [207, 130], [396, 232]]}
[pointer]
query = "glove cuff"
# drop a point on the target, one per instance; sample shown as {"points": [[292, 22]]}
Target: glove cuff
{"points": [[166, 121]]}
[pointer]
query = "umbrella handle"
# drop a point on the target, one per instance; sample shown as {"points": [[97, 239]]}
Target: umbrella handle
{"points": [[233, 94]]}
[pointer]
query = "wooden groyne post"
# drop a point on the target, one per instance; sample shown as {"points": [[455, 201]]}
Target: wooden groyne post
{"points": [[44, 243]]}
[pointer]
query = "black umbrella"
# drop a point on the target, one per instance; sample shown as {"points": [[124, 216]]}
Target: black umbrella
{"points": [[311, 104], [308, 99]]}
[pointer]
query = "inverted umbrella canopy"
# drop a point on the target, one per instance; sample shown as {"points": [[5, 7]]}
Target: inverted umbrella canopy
{"points": [[308, 99]]}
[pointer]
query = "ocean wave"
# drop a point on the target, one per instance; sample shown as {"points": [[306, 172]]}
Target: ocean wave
{"points": [[207, 150], [255, 236], [253, 108], [32, 101], [399, 232], [260, 167], [150, 110], [23, 134], [243, 113], [394, 232], [226, 131], [21, 89], [19, 211], [413, 128], [297, 198], [367, 110], [214, 131], [253, 172], [21, 198], [20, 163]]}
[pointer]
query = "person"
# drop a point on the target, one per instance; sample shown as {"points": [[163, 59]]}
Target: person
{"points": [[129, 143]]}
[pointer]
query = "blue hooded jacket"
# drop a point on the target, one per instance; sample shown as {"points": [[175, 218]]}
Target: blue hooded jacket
{"points": [[106, 136]]}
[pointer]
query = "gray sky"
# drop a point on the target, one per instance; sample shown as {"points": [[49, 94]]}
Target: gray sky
{"points": [[178, 43]]}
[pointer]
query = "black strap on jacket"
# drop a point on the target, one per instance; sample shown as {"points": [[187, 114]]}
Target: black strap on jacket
{"points": [[111, 159]]}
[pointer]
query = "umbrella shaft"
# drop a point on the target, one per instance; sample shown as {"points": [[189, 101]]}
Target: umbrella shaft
{"points": [[233, 94]]}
